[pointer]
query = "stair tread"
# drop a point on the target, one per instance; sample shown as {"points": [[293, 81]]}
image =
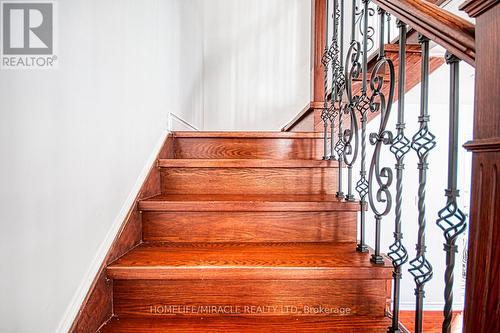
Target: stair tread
{"points": [[253, 135], [247, 260], [252, 197], [245, 324], [246, 202], [245, 163]]}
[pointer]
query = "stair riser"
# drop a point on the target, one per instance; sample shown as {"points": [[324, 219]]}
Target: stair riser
{"points": [[160, 298], [249, 180], [285, 148], [249, 226]]}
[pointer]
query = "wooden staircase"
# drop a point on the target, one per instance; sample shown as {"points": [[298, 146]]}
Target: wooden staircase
{"points": [[247, 236]]}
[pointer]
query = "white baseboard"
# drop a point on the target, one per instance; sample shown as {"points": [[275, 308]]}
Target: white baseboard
{"points": [[75, 304]]}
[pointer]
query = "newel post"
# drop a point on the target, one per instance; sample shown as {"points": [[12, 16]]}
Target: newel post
{"points": [[483, 271], [318, 40]]}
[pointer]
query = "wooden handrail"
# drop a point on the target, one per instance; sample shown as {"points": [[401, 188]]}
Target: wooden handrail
{"points": [[448, 30]]}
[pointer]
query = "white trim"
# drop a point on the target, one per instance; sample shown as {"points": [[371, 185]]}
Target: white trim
{"points": [[172, 117], [75, 304]]}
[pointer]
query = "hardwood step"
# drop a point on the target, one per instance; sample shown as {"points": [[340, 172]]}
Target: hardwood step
{"points": [[295, 297], [247, 145], [249, 180], [245, 134], [329, 226], [310, 324], [244, 163], [165, 279], [246, 203], [276, 261]]}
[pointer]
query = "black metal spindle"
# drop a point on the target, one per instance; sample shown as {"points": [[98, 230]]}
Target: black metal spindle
{"points": [[325, 61], [340, 142], [400, 147], [388, 27], [422, 142], [381, 175], [353, 22], [337, 83], [362, 105], [340, 153], [350, 136], [451, 219]]}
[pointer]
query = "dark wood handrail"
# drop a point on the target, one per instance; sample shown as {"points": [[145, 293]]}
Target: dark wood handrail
{"points": [[448, 30]]}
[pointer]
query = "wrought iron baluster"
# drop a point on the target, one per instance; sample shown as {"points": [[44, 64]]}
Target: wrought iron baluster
{"points": [[339, 148], [340, 88], [325, 61], [338, 84], [362, 106], [388, 27], [422, 142], [400, 147], [351, 136], [381, 175], [451, 219]]}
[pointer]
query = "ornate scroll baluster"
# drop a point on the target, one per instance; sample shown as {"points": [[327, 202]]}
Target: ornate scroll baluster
{"points": [[338, 86], [338, 82], [351, 135], [451, 219], [423, 142], [383, 176], [363, 105], [400, 147], [325, 113]]}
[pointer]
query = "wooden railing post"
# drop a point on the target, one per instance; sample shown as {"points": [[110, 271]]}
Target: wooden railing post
{"points": [[483, 271], [317, 73], [318, 40]]}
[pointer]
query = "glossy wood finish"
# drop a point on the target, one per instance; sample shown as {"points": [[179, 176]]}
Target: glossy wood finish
{"points": [[244, 135], [267, 324], [246, 203], [249, 180], [98, 304], [225, 230], [242, 261], [256, 145], [144, 298], [244, 163], [318, 8], [441, 26], [433, 321], [477, 7], [249, 226], [482, 310]]}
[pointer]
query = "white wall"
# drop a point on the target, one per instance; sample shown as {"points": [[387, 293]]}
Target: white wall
{"points": [[437, 182], [256, 62], [75, 143]]}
